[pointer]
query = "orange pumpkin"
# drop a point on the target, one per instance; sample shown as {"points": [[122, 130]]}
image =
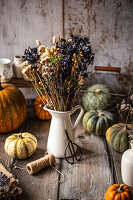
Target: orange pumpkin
{"points": [[118, 192], [13, 108], [39, 111]]}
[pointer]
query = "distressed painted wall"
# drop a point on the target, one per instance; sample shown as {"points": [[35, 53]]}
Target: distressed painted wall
{"points": [[108, 23]]}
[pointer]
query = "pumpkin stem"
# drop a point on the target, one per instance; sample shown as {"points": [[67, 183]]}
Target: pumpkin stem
{"points": [[125, 127], [20, 136], [100, 114], [98, 91], [120, 189]]}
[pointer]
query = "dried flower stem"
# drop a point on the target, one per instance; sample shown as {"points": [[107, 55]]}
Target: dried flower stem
{"points": [[128, 115], [48, 97]]}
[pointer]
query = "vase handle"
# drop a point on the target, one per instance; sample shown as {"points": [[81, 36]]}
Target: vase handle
{"points": [[79, 116]]}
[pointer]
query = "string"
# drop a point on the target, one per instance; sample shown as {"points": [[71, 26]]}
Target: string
{"points": [[48, 162]]}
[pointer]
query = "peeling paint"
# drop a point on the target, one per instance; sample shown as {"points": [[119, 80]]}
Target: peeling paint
{"points": [[23, 2], [108, 24]]}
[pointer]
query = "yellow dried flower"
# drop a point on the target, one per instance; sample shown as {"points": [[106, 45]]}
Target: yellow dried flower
{"points": [[54, 40], [58, 35], [47, 51], [27, 72], [44, 75], [55, 48], [69, 40], [81, 80], [24, 64], [44, 59], [52, 49], [41, 48], [55, 53], [38, 42]]}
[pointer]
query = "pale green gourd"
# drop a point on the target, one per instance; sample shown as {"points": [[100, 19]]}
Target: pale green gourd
{"points": [[95, 99], [98, 121]]}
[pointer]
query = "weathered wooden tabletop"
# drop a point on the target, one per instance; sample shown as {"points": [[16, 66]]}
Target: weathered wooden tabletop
{"points": [[85, 180]]}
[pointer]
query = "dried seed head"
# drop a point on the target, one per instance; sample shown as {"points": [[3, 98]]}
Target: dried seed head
{"points": [[58, 36], [27, 72], [41, 48], [42, 56], [69, 40], [38, 42], [66, 39], [47, 51], [81, 80], [55, 48], [24, 64], [38, 65], [44, 75], [54, 40], [55, 53], [45, 59], [131, 97], [52, 49]]}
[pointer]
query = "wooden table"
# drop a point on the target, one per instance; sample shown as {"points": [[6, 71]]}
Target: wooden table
{"points": [[85, 180]]}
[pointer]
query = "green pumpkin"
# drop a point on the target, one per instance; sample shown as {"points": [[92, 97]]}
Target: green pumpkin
{"points": [[95, 99], [117, 136], [98, 121]]}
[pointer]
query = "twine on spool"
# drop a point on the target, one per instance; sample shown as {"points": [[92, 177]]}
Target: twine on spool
{"points": [[37, 165], [41, 163]]}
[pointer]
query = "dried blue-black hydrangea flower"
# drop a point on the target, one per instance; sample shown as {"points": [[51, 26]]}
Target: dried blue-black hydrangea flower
{"points": [[31, 55], [68, 48]]}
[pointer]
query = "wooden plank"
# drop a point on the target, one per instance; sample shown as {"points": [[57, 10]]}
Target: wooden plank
{"points": [[21, 83], [43, 185], [4, 158], [89, 178], [116, 161], [111, 69]]}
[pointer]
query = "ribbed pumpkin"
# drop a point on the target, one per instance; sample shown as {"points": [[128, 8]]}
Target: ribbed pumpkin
{"points": [[20, 145], [13, 108], [117, 136], [95, 99], [39, 111], [98, 121], [118, 192]]}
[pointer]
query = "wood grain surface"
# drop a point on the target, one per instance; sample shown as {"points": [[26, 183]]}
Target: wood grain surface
{"points": [[21, 83], [85, 180]]}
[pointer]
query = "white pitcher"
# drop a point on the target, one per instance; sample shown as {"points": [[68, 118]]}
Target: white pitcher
{"points": [[60, 121]]}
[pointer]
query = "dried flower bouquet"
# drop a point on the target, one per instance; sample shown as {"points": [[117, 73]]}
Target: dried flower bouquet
{"points": [[59, 73], [125, 109]]}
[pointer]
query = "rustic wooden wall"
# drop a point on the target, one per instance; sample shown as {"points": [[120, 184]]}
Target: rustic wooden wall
{"points": [[108, 23]]}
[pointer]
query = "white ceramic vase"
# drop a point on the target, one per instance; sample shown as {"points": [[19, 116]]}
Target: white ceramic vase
{"points": [[60, 121], [127, 166]]}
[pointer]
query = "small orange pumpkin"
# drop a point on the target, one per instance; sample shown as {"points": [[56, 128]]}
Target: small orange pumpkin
{"points": [[39, 110], [118, 192], [13, 108]]}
